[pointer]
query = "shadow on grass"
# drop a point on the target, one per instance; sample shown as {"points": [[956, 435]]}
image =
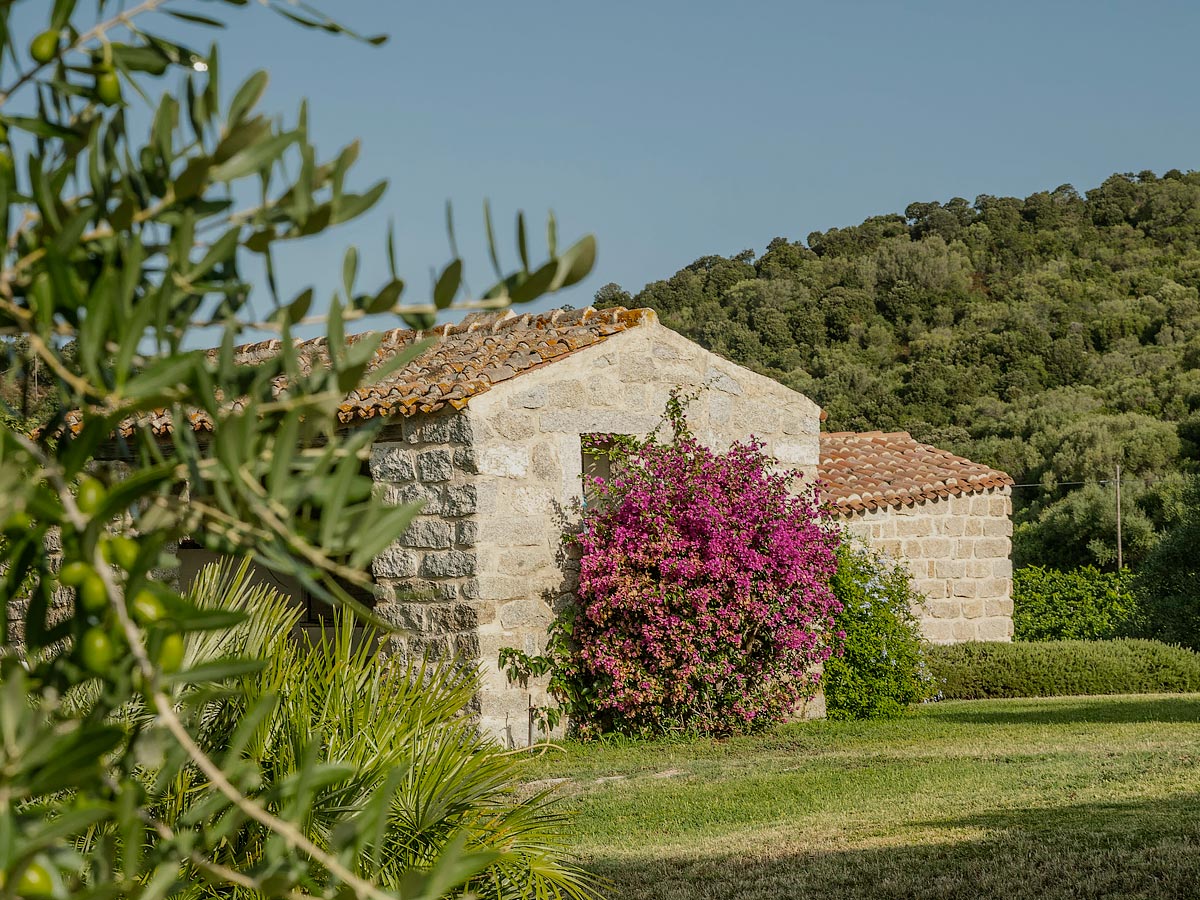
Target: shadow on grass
{"points": [[1066, 711], [1148, 850]]}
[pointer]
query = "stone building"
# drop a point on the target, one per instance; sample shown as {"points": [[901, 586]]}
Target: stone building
{"points": [[486, 429], [947, 518], [490, 439]]}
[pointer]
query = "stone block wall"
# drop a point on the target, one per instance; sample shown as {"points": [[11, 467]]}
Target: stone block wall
{"points": [[958, 551], [427, 578]]}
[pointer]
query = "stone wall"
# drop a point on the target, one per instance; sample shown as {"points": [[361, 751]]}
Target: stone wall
{"points": [[958, 551], [427, 578]]}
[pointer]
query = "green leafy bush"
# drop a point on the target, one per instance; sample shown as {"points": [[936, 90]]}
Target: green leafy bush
{"points": [[1081, 604], [881, 669], [977, 671], [1169, 580]]}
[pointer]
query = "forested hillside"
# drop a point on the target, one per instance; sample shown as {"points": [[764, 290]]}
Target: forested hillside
{"points": [[1052, 336]]}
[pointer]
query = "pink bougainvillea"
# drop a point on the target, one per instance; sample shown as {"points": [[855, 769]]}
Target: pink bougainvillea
{"points": [[704, 602]]}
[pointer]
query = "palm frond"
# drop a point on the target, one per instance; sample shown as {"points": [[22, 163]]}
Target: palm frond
{"points": [[400, 730]]}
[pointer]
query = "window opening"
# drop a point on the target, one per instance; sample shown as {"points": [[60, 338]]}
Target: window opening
{"points": [[596, 461]]}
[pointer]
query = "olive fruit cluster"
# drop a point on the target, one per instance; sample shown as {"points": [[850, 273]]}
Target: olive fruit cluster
{"points": [[107, 87], [102, 640]]}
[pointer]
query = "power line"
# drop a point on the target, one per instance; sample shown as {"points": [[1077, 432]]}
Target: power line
{"points": [[1058, 484]]}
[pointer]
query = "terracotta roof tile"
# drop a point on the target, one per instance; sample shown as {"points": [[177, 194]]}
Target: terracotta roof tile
{"points": [[468, 358], [873, 469]]}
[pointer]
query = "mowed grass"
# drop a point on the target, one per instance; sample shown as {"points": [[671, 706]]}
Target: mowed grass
{"points": [[1050, 798]]}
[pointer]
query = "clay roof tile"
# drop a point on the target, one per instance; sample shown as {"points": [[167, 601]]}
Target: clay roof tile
{"points": [[872, 469], [467, 359]]}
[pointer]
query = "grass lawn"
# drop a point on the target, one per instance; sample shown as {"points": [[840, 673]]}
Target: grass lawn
{"points": [[1067, 797]]}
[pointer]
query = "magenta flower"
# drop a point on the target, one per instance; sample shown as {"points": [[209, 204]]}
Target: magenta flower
{"points": [[704, 602]]}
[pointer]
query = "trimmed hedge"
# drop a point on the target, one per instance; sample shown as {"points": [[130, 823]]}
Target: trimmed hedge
{"points": [[1082, 604], [978, 671]]}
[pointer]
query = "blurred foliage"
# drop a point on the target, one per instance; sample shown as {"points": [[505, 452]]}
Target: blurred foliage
{"points": [[138, 195], [1082, 604], [1053, 336], [880, 670], [981, 671]]}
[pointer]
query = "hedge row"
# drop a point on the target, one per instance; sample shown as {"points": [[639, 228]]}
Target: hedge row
{"points": [[1082, 604], [976, 671]]}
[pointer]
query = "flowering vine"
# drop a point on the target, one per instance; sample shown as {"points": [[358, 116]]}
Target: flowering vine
{"points": [[703, 598]]}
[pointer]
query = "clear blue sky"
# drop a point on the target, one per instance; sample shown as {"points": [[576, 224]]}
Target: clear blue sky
{"points": [[672, 130]]}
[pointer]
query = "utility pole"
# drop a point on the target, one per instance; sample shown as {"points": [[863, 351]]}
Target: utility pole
{"points": [[1120, 554]]}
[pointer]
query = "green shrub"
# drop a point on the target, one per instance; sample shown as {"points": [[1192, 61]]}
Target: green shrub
{"points": [[704, 603], [881, 669], [1081, 604], [1169, 580], [976, 671], [365, 719]]}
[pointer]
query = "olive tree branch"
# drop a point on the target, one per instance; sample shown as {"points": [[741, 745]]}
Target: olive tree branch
{"points": [[166, 711], [310, 552], [97, 31], [224, 873], [214, 869], [10, 273]]}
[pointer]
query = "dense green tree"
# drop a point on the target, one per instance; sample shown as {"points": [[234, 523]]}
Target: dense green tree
{"points": [[1053, 336], [1081, 529], [1170, 579], [612, 294]]}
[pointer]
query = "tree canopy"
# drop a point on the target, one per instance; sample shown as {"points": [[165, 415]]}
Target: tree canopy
{"points": [[1053, 336]]}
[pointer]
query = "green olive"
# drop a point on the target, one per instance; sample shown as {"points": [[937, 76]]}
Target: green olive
{"points": [[108, 88], [91, 496], [73, 574], [18, 522], [96, 650], [93, 595], [35, 881], [7, 167], [146, 608], [121, 551], [44, 47], [170, 652]]}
